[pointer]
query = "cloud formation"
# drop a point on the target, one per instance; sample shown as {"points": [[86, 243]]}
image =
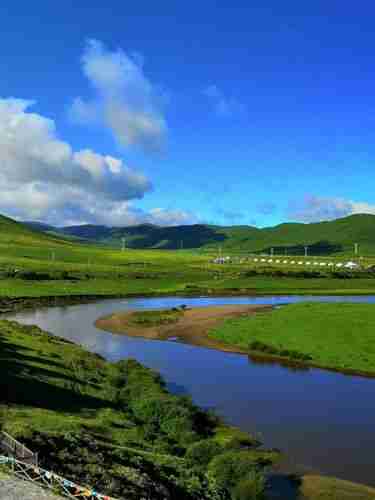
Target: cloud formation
{"points": [[124, 100], [223, 106], [315, 208], [41, 177]]}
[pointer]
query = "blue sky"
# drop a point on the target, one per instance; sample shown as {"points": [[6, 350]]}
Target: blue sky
{"points": [[172, 112]]}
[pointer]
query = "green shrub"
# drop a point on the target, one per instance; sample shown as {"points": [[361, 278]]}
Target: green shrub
{"points": [[202, 452], [231, 467], [155, 318], [241, 442], [256, 345], [252, 488]]}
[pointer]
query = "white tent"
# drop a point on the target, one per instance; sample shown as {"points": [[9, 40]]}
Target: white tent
{"points": [[351, 265]]}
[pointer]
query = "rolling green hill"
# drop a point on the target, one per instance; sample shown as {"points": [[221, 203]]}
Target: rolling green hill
{"points": [[12, 232], [323, 238]]}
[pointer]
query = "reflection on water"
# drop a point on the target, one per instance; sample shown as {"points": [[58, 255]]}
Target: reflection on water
{"points": [[321, 419], [293, 366]]}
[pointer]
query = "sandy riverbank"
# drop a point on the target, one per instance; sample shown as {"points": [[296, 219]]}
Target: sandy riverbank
{"points": [[192, 327]]}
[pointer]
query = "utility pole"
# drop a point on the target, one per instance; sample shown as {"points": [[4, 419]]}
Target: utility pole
{"points": [[306, 249]]}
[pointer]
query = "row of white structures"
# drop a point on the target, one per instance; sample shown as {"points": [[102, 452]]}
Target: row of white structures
{"points": [[347, 265]]}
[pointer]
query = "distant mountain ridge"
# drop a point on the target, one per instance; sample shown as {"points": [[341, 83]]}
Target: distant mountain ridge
{"points": [[323, 238]]}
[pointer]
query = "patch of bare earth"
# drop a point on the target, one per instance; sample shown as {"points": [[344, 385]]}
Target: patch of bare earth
{"points": [[192, 327]]}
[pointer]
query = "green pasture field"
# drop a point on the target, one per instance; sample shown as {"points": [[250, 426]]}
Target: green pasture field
{"points": [[34, 264], [338, 336]]}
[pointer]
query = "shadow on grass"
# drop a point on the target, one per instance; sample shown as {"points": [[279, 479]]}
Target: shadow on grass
{"points": [[42, 387], [319, 248]]}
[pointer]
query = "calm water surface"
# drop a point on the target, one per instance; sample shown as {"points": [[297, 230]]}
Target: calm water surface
{"points": [[324, 421]]}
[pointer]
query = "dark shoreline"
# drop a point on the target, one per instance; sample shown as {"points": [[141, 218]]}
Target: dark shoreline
{"points": [[14, 304]]}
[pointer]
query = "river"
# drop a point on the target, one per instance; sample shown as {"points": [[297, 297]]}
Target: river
{"points": [[324, 421]]}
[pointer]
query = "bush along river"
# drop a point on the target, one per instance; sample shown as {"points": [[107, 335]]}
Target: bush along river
{"points": [[323, 421]]}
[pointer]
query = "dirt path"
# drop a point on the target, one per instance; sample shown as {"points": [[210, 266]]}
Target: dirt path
{"points": [[191, 328]]}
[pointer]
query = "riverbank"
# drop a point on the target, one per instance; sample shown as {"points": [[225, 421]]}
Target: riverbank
{"points": [[167, 282], [80, 412], [191, 326], [30, 296], [329, 488]]}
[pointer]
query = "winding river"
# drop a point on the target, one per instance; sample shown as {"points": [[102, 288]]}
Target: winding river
{"points": [[324, 421]]}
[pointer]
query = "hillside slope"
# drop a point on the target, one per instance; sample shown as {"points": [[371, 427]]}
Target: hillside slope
{"points": [[12, 232], [323, 237]]}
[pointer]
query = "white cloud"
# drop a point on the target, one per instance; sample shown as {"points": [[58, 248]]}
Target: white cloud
{"points": [[223, 105], [315, 208], [164, 217], [41, 177], [32, 154], [125, 100]]}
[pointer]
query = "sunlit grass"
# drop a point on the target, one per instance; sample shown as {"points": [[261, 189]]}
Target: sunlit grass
{"points": [[339, 336]]}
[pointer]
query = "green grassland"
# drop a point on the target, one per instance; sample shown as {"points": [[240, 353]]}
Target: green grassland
{"points": [[328, 488], [34, 264], [80, 412], [337, 336]]}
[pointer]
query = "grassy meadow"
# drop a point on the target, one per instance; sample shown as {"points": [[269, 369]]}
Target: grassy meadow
{"points": [[337, 336], [35, 264]]}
